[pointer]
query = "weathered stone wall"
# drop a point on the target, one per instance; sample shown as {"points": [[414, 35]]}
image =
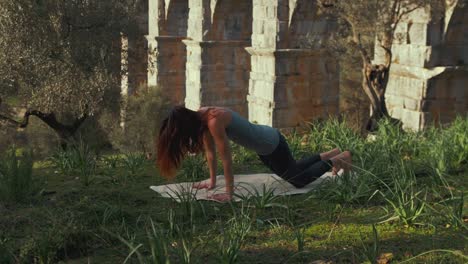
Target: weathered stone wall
{"points": [[292, 79], [217, 64], [168, 26], [429, 69], [266, 59]]}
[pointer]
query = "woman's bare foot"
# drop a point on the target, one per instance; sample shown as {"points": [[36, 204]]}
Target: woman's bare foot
{"points": [[342, 161], [330, 154]]}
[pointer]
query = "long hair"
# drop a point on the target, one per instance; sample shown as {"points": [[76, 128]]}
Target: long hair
{"points": [[181, 132]]}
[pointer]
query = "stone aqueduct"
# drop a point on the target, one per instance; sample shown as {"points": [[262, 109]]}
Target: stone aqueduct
{"points": [[257, 57]]}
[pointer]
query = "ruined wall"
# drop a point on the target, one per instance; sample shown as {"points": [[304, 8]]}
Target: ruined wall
{"points": [[217, 64], [292, 79], [168, 26], [429, 69], [266, 59]]}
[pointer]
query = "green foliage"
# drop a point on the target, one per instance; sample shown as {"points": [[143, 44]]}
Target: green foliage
{"points": [[371, 251], [406, 202], [159, 245], [260, 200], [134, 162], [445, 150], [16, 176], [233, 237], [349, 188], [323, 136], [242, 156], [61, 237], [69, 49], [388, 172], [6, 256], [77, 160], [111, 161], [142, 117], [452, 211], [194, 168]]}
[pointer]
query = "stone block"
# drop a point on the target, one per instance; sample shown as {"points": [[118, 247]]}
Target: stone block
{"points": [[418, 34], [413, 55]]}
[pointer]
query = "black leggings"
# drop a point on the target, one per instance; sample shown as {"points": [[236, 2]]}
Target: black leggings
{"points": [[299, 173]]}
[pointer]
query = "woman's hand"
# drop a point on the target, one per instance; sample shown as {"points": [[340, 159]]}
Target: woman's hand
{"points": [[221, 197], [204, 185]]}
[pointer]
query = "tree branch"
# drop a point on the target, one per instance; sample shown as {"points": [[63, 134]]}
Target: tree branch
{"points": [[50, 119]]}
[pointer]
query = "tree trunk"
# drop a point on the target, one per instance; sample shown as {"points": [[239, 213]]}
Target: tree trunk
{"points": [[64, 132], [374, 83]]}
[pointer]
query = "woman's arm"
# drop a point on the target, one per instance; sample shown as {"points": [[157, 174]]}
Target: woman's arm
{"points": [[217, 130], [210, 154]]}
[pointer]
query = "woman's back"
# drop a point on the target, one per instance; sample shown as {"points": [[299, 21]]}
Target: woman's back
{"points": [[262, 139]]}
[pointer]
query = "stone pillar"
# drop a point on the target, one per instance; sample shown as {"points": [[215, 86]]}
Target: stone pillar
{"points": [[291, 82], [217, 64], [428, 74], [166, 52]]}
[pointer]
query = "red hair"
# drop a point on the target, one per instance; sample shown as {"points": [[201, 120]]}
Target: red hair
{"points": [[181, 132]]}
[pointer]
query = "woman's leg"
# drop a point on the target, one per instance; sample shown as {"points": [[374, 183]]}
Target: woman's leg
{"points": [[282, 163], [307, 162], [301, 177]]}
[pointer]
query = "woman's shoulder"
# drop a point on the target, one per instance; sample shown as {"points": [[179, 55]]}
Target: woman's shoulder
{"points": [[216, 115]]}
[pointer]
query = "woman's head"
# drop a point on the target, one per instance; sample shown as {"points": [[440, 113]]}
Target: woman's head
{"points": [[181, 132]]}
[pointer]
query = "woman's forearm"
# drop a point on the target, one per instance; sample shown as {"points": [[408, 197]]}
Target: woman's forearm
{"points": [[212, 166], [227, 166]]}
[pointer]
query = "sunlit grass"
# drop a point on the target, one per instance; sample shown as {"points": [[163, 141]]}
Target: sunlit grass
{"points": [[402, 184]]}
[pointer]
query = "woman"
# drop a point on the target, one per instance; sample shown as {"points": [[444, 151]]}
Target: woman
{"points": [[185, 131]]}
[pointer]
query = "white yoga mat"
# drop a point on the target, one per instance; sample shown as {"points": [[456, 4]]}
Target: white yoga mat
{"points": [[245, 185]]}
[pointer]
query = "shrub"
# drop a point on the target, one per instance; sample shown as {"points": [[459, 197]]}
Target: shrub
{"points": [[142, 117]]}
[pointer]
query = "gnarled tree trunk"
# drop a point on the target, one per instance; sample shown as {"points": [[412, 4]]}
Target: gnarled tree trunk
{"points": [[65, 132]]}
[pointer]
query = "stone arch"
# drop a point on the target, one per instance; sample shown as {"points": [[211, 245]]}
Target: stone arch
{"points": [[176, 19], [306, 28], [232, 20], [167, 53], [218, 64]]}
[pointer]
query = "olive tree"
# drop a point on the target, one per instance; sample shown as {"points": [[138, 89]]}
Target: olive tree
{"points": [[363, 22], [60, 60]]}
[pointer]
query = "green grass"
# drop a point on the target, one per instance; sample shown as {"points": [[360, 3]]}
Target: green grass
{"points": [[400, 203]]}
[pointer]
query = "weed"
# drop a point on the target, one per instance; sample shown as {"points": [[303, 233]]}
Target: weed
{"points": [[453, 212], [348, 188], [259, 199], [86, 162], [233, 237], [404, 200], [371, 251], [158, 243], [111, 161], [188, 208], [194, 168], [134, 162], [78, 159], [16, 181]]}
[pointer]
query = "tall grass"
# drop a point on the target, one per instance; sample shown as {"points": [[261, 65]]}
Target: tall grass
{"points": [[233, 237], [77, 160], [16, 176], [194, 168], [371, 250], [134, 162]]}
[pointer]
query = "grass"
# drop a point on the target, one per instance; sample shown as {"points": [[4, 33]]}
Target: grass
{"points": [[397, 177], [16, 176]]}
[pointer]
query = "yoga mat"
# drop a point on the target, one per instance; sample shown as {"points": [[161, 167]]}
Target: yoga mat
{"points": [[245, 185]]}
